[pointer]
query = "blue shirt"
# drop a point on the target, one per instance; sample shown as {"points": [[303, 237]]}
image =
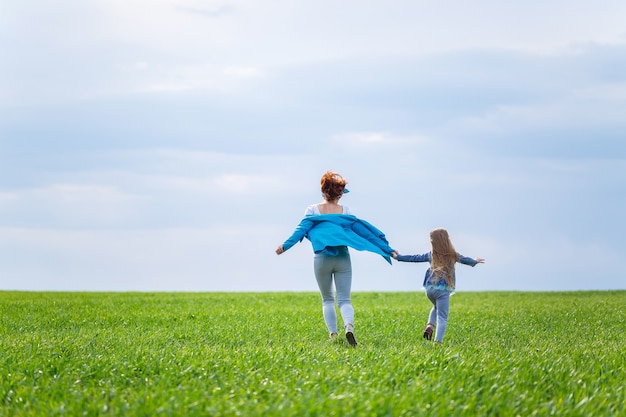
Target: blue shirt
{"points": [[327, 231], [429, 280]]}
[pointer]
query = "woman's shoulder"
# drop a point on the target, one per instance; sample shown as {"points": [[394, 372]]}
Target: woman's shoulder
{"points": [[312, 210]]}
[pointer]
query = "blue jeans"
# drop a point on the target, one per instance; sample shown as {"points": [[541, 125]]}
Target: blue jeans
{"points": [[439, 312], [338, 269]]}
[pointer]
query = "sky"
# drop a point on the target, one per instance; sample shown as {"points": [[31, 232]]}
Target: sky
{"points": [[165, 145]]}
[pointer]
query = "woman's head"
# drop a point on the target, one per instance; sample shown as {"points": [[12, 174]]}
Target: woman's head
{"points": [[444, 255], [332, 185]]}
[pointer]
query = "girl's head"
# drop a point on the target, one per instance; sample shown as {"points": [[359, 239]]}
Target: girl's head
{"points": [[333, 185], [440, 241], [444, 255]]}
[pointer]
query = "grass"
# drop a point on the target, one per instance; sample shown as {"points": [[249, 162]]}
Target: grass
{"points": [[268, 354]]}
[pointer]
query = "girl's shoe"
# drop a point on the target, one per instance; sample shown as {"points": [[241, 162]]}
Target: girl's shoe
{"points": [[333, 336], [350, 334], [428, 332], [350, 338]]}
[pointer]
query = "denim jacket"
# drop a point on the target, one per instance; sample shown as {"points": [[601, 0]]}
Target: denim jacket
{"points": [[429, 280]]}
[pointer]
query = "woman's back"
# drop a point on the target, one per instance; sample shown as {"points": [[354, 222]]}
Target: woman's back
{"points": [[326, 208]]}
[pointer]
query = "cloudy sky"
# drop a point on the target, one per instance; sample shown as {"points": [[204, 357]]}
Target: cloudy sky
{"points": [[171, 145]]}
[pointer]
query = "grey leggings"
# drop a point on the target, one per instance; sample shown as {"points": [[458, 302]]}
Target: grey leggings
{"points": [[338, 269]]}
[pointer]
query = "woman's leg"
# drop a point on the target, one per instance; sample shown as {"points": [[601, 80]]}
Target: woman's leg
{"points": [[323, 267], [343, 283]]}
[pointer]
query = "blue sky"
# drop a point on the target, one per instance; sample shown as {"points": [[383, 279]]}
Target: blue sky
{"points": [[172, 145]]}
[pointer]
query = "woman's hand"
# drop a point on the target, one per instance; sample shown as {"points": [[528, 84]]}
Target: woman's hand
{"points": [[279, 249], [480, 260]]}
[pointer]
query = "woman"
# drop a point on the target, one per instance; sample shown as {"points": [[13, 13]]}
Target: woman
{"points": [[331, 228]]}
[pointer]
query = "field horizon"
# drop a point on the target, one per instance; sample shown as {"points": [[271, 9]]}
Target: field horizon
{"points": [[268, 353]]}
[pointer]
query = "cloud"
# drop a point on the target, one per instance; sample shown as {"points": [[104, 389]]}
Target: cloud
{"points": [[169, 259], [157, 188], [243, 72], [79, 192], [69, 205], [72, 59], [7, 196], [611, 92], [244, 184], [155, 78], [224, 185], [220, 11], [377, 140], [576, 109]]}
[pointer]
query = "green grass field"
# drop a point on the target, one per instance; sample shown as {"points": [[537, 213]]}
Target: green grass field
{"points": [[268, 354]]}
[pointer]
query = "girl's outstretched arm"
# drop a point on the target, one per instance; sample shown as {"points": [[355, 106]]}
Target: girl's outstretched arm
{"points": [[424, 257], [466, 260]]}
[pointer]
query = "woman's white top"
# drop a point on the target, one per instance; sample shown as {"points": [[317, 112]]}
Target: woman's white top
{"points": [[314, 210]]}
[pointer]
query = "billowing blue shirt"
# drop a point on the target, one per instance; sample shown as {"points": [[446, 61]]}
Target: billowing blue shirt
{"points": [[429, 280], [327, 231]]}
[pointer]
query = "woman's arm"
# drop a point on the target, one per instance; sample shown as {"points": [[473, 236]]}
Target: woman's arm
{"points": [[301, 230]]}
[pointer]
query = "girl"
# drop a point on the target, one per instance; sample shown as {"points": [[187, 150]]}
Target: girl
{"points": [[440, 279]]}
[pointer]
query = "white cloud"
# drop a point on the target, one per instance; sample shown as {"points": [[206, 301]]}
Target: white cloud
{"points": [[611, 92], [243, 72], [223, 185], [212, 172], [68, 194], [567, 111], [171, 259], [198, 48], [145, 77], [377, 139], [82, 192], [240, 184], [549, 263], [70, 205], [7, 196], [206, 12]]}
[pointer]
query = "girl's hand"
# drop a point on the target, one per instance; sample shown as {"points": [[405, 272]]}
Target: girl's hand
{"points": [[394, 255], [279, 249], [480, 260]]}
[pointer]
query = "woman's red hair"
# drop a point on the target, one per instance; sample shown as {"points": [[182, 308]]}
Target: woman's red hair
{"points": [[332, 185]]}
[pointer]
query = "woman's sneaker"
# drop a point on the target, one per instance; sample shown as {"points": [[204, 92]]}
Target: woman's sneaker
{"points": [[428, 332]]}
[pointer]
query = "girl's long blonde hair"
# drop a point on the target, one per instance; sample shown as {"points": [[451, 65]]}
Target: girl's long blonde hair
{"points": [[444, 256]]}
